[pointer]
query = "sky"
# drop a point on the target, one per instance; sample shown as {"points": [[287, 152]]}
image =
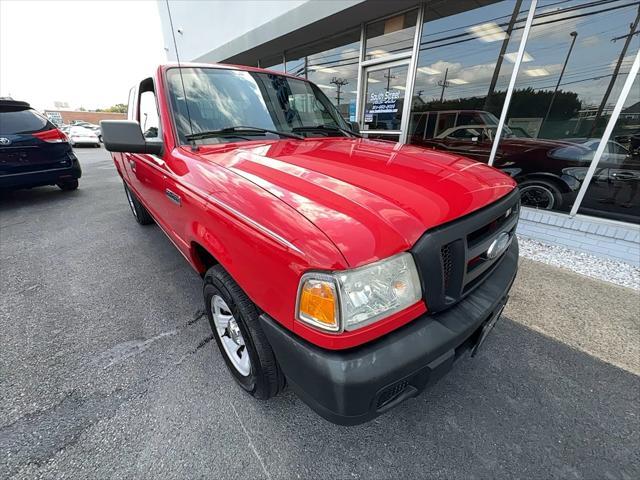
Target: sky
{"points": [[87, 53]]}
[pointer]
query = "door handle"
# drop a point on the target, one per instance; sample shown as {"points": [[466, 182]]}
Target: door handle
{"points": [[158, 161], [130, 161], [623, 176]]}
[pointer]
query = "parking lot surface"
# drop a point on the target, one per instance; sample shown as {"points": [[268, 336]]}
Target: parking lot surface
{"points": [[107, 370]]}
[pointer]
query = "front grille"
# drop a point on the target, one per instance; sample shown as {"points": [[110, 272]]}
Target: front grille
{"points": [[447, 264], [452, 259]]}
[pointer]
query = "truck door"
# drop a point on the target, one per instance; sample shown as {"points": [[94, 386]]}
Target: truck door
{"points": [[147, 173]]}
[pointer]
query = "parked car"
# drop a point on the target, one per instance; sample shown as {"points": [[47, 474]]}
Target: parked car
{"points": [[546, 170], [82, 123], [91, 126], [355, 271], [33, 152], [83, 136]]}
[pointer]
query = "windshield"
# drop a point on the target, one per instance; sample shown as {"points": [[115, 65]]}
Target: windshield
{"points": [[220, 98]]}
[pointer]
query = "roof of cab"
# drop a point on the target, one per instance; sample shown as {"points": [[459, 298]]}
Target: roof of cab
{"points": [[166, 66]]}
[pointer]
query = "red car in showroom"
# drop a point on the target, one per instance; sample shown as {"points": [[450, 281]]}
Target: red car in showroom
{"points": [[355, 271]]}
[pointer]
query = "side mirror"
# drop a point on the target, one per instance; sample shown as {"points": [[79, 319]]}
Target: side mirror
{"points": [[475, 139], [126, 136], [355, 127]]}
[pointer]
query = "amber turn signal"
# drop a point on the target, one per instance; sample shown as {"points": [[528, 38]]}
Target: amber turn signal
{"points": [[318, 304]]}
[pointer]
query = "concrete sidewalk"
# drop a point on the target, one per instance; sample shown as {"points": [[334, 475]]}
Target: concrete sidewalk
{"points": [[591, 315]]}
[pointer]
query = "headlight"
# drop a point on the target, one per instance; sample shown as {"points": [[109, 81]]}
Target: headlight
{"points": [[351, 299]]}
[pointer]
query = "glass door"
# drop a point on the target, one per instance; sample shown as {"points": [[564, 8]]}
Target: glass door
{"points": [[385, 85]]}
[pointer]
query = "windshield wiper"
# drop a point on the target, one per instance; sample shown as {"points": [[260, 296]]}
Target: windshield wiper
{"points": [[334, 128], [239, 129]]}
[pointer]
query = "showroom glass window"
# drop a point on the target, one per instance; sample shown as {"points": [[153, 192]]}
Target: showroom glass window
{"points": [[391, 35], [466, 58], [332, 64], [614, 191], [574, 66]]}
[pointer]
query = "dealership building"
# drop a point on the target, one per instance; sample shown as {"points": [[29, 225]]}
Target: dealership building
{"points": [[545, 90]]}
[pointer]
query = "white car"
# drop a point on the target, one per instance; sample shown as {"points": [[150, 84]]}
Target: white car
{"points": [[82, 136]]}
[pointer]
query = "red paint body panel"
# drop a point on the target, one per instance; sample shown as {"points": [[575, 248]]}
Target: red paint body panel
{"points": [[372, 199], [269, 211]]}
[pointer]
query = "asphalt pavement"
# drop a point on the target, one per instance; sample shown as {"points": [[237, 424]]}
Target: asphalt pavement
{"points": [[108, 370]]}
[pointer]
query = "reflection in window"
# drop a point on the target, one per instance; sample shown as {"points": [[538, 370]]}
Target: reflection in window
{"points": [[332, 64], [149, 121], [214, 99], [465, 60], [391, 35], [577, 59], [614, 191]]}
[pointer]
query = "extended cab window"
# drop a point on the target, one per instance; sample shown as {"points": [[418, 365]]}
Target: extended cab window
{"points": [[213, 99], [148, 111]]}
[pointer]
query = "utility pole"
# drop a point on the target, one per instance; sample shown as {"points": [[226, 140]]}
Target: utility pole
{"points": [[444, 84], [616, 71], [388, 76], [339, 83], [574, 35], [503, 49]]}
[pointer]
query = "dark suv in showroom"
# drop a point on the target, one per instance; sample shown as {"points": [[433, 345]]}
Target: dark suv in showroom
{"points": [[33, 152]]}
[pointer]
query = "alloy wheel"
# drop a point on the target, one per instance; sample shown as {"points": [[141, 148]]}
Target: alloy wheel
{"points": [[228, 331]]}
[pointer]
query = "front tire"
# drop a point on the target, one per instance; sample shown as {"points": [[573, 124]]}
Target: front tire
{"points": [[540, 194], [140, 213], [238, 333]]}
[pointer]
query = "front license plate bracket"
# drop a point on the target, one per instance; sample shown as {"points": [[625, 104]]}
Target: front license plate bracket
{"points": [[487, 327]]}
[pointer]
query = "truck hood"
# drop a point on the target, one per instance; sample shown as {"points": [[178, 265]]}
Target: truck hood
{"points": [[371, 198]]}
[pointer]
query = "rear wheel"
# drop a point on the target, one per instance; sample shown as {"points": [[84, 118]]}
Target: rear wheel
{"points": [[238, 333], [140, 213], [540, 194], [68, 185]]}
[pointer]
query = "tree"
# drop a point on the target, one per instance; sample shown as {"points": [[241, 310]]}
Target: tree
{"points": [[117, 108], [525, 102]]}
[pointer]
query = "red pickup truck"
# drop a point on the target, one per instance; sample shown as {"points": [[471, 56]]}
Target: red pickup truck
{"points": [[355, 271]]}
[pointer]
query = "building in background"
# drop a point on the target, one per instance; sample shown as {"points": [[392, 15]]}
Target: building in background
{"points": [[437, 74], [60, 117]]}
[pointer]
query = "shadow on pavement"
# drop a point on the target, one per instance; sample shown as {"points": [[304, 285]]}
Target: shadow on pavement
{"points": [[52, 195], [526, 407]]}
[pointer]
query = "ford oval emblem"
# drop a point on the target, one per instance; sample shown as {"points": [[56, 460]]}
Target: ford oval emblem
{"points": [[5, 141], [499, 245]]}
